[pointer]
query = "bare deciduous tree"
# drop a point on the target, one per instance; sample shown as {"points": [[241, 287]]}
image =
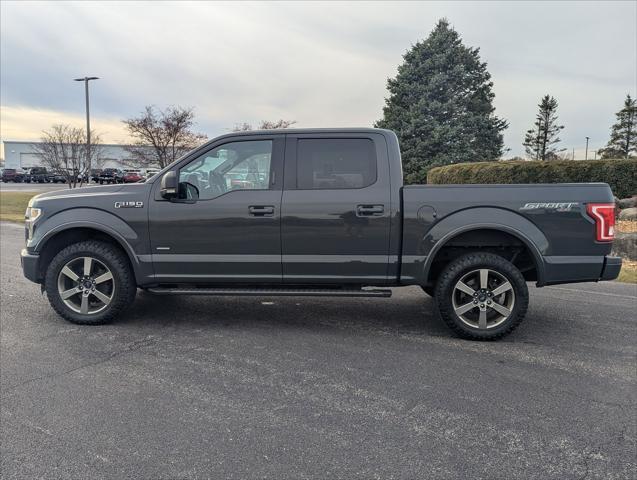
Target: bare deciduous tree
{"points": [[63, 151], [162, 136], [264, 125]]}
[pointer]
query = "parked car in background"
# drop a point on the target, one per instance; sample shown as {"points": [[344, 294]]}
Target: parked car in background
{"points": [[36, 175], [13, 175], [84, 177], [57, 177], [111, 175], [132, 177], [150, 172], [95, 174]]}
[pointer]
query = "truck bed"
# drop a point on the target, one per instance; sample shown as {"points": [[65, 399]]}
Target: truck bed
{"points": [[549, 219]]}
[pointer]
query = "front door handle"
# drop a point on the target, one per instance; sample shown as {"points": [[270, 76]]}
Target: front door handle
{"points": [[370, 210], [261, 210]]}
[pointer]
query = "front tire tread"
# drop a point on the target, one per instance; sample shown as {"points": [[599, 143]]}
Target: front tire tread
{"points": [[117, 262]]}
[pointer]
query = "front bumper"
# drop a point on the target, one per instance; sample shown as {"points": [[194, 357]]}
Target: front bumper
{"points": [[30, 265], [612, 266]]}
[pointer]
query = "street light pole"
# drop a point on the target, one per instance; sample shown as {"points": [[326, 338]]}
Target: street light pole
{"points": [[586, 155], [88, 120]]}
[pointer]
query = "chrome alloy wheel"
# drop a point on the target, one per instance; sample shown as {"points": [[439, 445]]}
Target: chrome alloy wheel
{"points": [[483, 298], [86, 285]]}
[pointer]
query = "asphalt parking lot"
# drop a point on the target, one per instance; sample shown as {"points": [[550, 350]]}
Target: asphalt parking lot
{"points": [[197, 387]]}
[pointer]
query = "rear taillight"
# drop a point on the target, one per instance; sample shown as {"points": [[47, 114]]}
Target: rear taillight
{"points": [[604, 216]]}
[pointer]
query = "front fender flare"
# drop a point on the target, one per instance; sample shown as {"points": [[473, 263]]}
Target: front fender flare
{"points": [[135, 245], [88, 218]]}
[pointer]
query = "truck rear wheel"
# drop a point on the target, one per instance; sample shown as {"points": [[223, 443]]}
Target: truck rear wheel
{"points": [[90, 283], [481, 296]]}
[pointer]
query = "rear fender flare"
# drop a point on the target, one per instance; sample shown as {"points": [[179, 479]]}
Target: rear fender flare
{"points": [[507, 221]]}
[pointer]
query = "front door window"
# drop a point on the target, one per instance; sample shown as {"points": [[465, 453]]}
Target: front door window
{"points": [[232, 166]]}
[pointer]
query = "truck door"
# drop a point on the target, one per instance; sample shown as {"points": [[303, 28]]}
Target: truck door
{"points": [[232, 232], [335, 224]]}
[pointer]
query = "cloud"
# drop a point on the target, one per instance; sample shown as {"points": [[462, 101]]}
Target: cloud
{"points": [[322, 64]]}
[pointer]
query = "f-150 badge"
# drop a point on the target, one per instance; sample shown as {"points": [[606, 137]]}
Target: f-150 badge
{"points": [[557, 206], [129, 204]]}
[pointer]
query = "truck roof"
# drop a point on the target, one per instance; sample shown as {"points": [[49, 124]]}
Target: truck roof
{"points": [[310, 130], [305, 131]]}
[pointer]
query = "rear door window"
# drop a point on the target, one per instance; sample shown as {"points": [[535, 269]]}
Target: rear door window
{"points": [[335, 163]]}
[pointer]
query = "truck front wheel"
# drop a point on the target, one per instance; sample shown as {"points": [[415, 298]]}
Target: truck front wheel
{"points": [[481, 296], [90, 283]]}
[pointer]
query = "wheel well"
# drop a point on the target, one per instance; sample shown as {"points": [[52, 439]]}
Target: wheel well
{"points": [[65, 238], [498, 242]]}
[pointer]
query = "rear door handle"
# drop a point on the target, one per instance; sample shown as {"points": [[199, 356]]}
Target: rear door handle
{"points": [[261, 210], [370, 210]]}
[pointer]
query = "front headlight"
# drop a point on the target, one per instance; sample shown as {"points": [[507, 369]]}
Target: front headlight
{"points": [[30, 216]]}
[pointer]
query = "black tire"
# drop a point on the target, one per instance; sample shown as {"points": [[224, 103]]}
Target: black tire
{"points": [[124, 287], [464, 265]]}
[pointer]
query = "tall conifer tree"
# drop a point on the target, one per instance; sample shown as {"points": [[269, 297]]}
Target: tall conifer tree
{"points": [[623, 134], [441, 105], [541, 141]]}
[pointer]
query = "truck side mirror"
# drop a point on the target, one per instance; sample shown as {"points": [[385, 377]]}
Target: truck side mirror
{"points": [[168, 188]]}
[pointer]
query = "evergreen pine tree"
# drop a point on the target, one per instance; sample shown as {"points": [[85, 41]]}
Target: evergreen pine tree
{"points": [[541, 141], [441, 105], [623, 134]]}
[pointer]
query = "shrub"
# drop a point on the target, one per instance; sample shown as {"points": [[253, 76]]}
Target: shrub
{"points": [[621, 175]]}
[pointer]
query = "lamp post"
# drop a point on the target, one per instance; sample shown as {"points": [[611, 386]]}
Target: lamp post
{"points": [[88, 121], [586, 155]]}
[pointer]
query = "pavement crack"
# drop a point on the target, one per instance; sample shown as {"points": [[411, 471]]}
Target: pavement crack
{"points": [[131, 347]]}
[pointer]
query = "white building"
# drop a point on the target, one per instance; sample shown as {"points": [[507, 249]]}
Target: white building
{"points": [[23, 155]]}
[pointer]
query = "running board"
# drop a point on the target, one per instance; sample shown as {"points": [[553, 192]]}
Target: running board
{"points": [[271, 292]]}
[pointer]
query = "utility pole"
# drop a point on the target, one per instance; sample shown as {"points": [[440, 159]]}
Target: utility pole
{"points": [[88, 125], [586, 156], [573, 154]]}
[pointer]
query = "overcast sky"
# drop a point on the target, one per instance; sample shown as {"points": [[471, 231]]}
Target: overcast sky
{"points": [[323, 64]]}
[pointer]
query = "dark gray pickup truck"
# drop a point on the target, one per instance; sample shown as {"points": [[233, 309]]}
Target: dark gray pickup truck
{"points": [[315, 213]]}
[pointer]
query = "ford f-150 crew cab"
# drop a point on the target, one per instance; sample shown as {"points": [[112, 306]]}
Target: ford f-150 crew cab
{"points": [[320, 212]]}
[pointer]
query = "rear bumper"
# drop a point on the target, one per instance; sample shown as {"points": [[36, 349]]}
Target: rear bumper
{"points": [[30, 265], [612, 266], [574, 269]]}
